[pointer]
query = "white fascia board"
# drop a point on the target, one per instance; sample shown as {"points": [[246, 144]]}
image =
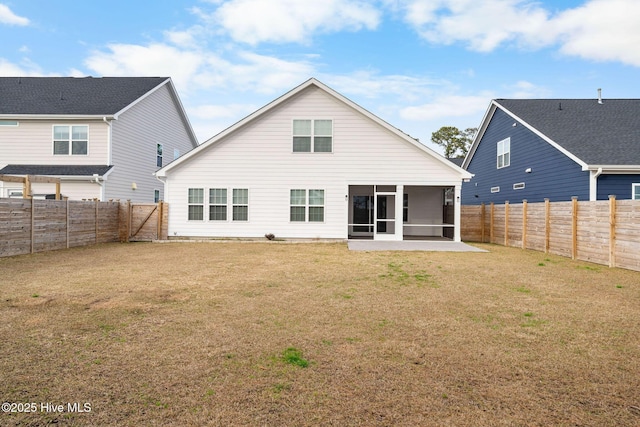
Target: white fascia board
{"points": [[544, 137], [488, 115], [614, 169]]}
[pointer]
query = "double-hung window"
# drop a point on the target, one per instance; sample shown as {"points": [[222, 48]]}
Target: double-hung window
{"points": [[196, 204], [312, 136], [504, 153], [240, 204], [300, 205], [70, 140], [635, 191], [159, 155], [217, 204]]}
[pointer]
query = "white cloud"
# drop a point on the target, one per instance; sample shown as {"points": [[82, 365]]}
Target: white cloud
{"points": [[602, 30], [10, 18], [446, 107], [196, 69], [526, 90], [290, 21], [482, 25], [27, 68]]}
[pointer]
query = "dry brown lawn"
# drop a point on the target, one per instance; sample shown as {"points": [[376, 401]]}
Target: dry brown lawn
{"points": [[192, 334]]}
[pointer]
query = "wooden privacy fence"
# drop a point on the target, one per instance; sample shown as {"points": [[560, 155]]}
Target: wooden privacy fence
{"points": [[603, 232], [31, 225]]}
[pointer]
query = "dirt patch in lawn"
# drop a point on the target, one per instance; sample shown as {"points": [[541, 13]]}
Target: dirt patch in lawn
{"points": [[312, 334]]}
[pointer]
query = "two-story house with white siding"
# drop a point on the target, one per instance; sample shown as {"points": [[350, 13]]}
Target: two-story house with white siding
{"points": [[313, 164], [103, 138]]}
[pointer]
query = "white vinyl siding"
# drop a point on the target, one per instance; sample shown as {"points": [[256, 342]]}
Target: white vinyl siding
{"points": [[259, 157], [504, 153], [312, 136], [71, 140]]}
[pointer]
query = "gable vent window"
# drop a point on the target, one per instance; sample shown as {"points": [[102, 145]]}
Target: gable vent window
{"points": [[518, 186], [312, 136], [504, 153], [495, 189], [70, 140]]}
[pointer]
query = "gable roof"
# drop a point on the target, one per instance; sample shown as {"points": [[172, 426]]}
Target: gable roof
{"points": [[71, 95], [275, 103], [594, 134], [45, 97]]}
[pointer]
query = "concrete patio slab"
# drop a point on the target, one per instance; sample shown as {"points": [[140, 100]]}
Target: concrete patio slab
{"points": [[412, 245]]}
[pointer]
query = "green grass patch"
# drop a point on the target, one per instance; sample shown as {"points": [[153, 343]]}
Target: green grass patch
{"points": [[293, 356]]}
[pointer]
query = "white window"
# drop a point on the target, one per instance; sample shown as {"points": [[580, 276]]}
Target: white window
{"points": [[70, 140], [196, 204], [217, 204], [300, 205], [156, 196], [159, 155], [312, 136], [495, 189], [518, 186], [240, 204], [504, 153], [635, 192], [8, 123]]}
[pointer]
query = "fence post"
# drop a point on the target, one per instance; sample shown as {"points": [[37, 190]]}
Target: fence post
{"points": [[547, 225], [33, 223], [574, 227], [159, 231], [524, 224], [612, 230], [68, 215], [491, 223], [96, 220], [506, 223], [482, 219]]}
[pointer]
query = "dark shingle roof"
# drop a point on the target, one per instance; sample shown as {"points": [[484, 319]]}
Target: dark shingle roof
{"points": [[55, 170], [71, 95], [598, 134]]}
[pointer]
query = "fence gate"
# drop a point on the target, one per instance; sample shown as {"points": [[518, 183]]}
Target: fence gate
{"points": [[146, 222]]}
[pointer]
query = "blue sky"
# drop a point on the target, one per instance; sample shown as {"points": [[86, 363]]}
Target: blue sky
{"points": [[418, 64]]}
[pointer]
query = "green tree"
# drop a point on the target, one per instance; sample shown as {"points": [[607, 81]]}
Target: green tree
{"points": [[456, 142]]}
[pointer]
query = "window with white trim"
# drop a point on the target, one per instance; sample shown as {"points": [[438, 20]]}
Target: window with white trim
{"points": [[217, 204], [635, 191], [240, 204], [312, 136], [495, 189], [304, 209], [196, 204], [12, 123], [159, 155], [156, 196], [70, 140], [504, 153], [518, 186]]}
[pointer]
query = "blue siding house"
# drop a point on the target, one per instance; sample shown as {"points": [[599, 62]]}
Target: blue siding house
{"points": [[555, 149]]}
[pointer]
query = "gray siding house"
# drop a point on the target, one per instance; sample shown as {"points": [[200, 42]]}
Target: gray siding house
{"points": [[555, 148], [102, 137]]}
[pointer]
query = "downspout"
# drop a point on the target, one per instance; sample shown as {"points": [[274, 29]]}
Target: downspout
{"points": [[593, 185], [96, 179]]}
